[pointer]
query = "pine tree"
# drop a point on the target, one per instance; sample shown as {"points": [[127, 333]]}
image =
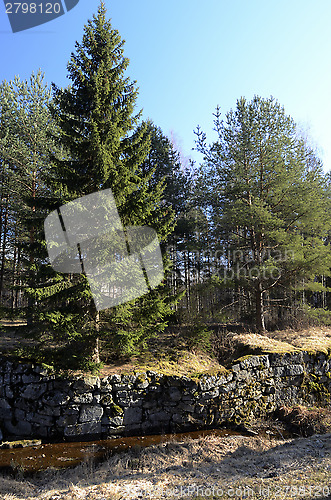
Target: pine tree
{"points": [[106, 146], [25, 147], [269, 203]]}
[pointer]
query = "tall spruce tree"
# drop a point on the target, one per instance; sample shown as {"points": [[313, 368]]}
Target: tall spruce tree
{"points": [[268, 200], [106, 146]]}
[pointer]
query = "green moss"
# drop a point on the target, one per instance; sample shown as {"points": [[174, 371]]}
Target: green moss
{"points": [[116, 410], [243, 358], [142, 378], [312, 385], [48, 367]]}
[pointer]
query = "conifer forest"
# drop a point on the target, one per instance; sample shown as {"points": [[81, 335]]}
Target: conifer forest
{"points": [[244, 234]]}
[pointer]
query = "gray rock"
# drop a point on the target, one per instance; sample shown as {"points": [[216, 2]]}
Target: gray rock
{"points": [[83, 398], [206, 383], [90, 413], [30, 379], [67, 420], [254, 362], [33, 391], [55, 398], [175, 394], [128, 379], [51, 410], [226, 389], [209, 394], [121, 387], [113, 431], [105, 386], [174, 381], [122, 395], [86, 384], [114, 379], [16, 379], [37, 418], [186, 407], [71, 410], [189, 391], [20, 414], [84, 429], [155, 389], [149, 404], [132, 416], [294, 370], [178, 418], [8, 392], [5, 409], [286, 359], [158, 416], [243, 375], [111, 421], [142, 385], [280, 371], [22, 428]]}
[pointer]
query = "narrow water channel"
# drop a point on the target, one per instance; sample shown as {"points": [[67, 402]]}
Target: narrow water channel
{"points": [[60, 455]]}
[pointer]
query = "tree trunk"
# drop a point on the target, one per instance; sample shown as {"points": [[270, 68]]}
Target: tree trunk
{"points": [[96, 350], [31, 300], [260, 324], [3, 253]]}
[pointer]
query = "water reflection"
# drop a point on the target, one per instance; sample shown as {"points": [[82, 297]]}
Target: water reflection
{"points": [[61, 455]]}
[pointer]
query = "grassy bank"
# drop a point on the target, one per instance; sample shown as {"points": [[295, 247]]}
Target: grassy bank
{"points": [[231, 467]]}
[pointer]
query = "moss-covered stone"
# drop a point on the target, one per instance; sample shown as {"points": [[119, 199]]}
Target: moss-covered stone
{"points": [[312, 385], [115, 410]]}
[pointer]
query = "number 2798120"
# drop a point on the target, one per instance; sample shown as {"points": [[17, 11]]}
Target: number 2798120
{"points": [[33, 8]]}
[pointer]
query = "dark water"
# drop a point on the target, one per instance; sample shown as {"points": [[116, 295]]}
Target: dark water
{"points": [[61, 455]]}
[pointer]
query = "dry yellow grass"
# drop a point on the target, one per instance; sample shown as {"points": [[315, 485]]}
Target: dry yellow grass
{"points": [[318, 338], [262, 344], [186, 363], [311, 340], [222, 463]]}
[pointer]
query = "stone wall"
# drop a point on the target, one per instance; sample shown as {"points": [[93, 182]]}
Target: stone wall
{"points": [[35, 403]]}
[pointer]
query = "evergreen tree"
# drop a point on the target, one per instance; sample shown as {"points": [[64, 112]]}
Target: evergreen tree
{"points": [[269, 203], [25, 146], [163, 164], [106, 146]]}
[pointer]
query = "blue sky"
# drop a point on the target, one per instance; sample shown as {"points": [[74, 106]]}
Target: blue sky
{"points": [[189, 56]]}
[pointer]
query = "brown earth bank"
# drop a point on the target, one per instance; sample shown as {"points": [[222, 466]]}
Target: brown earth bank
{"points": [[29, 456], [210, 467]]}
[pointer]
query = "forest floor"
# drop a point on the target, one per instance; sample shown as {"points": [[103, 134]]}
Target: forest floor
{"points": [[168, 352]]}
